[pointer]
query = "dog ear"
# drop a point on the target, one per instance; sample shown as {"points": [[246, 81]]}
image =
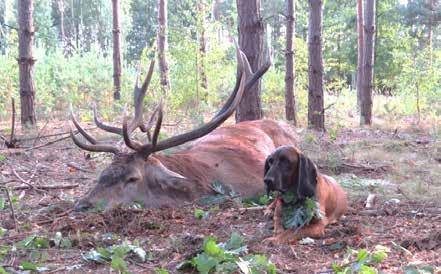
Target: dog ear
{"points": [[265, 170], [266, 166], [306, 177]]}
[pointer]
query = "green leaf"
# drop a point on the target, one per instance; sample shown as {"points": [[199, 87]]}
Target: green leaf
{"points": [[362, 255], [379, 256], [204, 263], [199, 213], [235, 241], [28, 266], [2, 203], [2, 157], [118, 264], [3, 271], [161, 271], [364, 269], [212, 249], [337, 268]]}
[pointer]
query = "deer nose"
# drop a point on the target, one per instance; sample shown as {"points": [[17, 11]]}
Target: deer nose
{"points": [[82, 205]]}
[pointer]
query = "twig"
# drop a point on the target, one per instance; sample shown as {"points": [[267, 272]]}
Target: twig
{"points": [[254, 208], [49, 143], [28, 182], [71, 186], [8, 196], [39, 133], [12, 143], [53, 134], [78, 167]]}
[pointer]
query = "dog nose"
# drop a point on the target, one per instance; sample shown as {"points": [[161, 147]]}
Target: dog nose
{"points": [[268, 181]]}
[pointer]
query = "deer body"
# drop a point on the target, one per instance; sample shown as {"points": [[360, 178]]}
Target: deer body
{"points": [[233, 155]]}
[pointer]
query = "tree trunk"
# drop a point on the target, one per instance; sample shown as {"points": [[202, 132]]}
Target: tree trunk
{"points": [[163, 45], [62, 32], [26, 62], [430, 36], [116, 51], [250, 29], [316, 113], [290, 105], [201, 6], [360, 30], [368, 63]]}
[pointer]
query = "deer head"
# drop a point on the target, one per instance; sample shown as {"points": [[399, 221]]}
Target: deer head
{"points": [[139, 176]]}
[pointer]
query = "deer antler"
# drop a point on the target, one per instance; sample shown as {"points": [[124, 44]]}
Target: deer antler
{"points": [[244, 73]]}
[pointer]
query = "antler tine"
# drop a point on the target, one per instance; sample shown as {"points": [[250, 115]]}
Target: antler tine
{"points": [[158, 124], [126, 135], [229, 108], [81, 130], [139, 99], [139, 94], [94, 146], [103, 126]]}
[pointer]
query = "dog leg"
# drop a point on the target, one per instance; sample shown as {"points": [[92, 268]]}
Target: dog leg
{"points": [[316, 230], [269, 208]]}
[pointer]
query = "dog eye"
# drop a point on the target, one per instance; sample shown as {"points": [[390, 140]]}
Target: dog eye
{"points": [[284, 160], [270, 161]]}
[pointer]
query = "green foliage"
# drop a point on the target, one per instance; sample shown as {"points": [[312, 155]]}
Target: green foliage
{"points": [[34, 241], [298, 213], [227, 258], [199, 213], [116, 255], [361, 261]]}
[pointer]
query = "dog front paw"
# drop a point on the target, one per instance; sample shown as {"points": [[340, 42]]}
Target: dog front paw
{"points": [[272, 240]]}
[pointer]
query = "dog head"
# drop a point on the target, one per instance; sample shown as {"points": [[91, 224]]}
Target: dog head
{"points": [[287, 169]]}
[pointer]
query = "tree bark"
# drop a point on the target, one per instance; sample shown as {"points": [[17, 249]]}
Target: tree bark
{"points": [[290, 105], [26, 62], [163, 45], [360, 50], [430, 36], [201, 6], [250, 29], [116, 51], [368, 63], [316, 115], [62, 32]]}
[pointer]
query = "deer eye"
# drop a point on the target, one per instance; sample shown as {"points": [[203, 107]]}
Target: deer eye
{"points": [[132, 180]]}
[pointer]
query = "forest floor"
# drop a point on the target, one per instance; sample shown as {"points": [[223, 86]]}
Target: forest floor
{"points": [[400, 165]]}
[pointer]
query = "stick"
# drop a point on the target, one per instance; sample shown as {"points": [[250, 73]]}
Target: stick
{"points": [[71, 186], [49, 143], [12, 139], [28, 182], [370, 201], [78, 167], [39, 133], [12, 207]]}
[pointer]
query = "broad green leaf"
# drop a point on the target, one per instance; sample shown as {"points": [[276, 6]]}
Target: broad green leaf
{"points": [[379, 256], [235, 241], [362, 255], [2, 203], [3, 271], [204, 263], [337, 268], [199, 213], [2, 157], [212, 249], [28, 266], [118, 264], [161, 271], [364, 269]]}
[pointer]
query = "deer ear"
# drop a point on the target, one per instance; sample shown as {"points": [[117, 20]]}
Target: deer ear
{"points": [[306, 177]]}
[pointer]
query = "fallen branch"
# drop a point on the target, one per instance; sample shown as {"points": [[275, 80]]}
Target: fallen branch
{"points": [[8, 196], [254, 208], [364, 167], [39, 133], [28, 182], [370, 200], [71, 186], [12, 142], [49, 143], [73, 165]]}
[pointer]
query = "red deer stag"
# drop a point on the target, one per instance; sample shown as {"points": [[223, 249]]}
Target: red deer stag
{"points": [[234, 155]]}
